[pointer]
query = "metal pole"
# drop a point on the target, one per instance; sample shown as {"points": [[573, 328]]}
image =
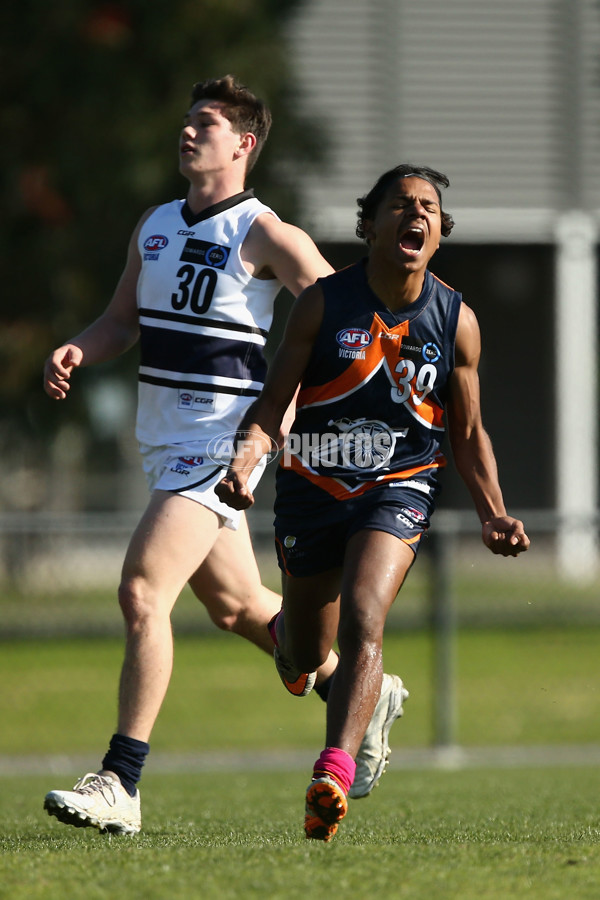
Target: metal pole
{"points": [[576, 344], [443, 627], [576, 348]]}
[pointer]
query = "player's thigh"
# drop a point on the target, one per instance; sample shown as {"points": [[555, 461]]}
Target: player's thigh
{"points": [[375, 567], [229, 579], [173, 537], [311, 613]]}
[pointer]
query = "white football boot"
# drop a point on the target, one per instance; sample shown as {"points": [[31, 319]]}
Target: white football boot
{"points": [[99, 801], [374, 753]]}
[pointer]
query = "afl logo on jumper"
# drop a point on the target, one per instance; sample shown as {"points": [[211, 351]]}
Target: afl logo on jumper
{"points": [[354, 338], [153, 245], [353, 342], [155, 242]]}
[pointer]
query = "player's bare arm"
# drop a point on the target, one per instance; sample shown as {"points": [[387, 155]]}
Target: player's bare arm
{"points": [[471, 446], [261, 425], [275, 249], [110, 335]]}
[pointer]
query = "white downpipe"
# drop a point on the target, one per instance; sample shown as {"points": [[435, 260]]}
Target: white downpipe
{"points": [[576, 355]]}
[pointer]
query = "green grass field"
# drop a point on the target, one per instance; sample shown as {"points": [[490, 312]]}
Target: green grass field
{"points": [[522, 686], [466, 835], [479, 832]]}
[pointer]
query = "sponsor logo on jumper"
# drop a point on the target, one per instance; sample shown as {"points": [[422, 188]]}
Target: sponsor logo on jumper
{"points": [[199, 402], [185, 233], [431, 352], [153, 245], [205, 254], [410, 347], [289, 541], [185, 464]]}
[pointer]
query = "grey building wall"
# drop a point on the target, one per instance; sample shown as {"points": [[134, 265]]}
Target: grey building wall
{"points": [[503, 97]]}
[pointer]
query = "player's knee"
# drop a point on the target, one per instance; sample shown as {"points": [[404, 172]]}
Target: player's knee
{"points": [[305, 653], [307, 660], [360, 638], [240, 614], [241, 622], [225, 611], [226, 621], [135, 601]]}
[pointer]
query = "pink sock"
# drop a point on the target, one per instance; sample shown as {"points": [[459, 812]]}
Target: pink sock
{"points": [[338, 764], [272, 627]]}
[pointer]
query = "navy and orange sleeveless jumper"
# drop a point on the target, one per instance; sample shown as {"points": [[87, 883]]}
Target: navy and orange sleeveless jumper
{"points": [[371, 404]]}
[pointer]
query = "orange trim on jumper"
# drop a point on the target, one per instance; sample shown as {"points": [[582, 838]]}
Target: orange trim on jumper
{"points": [[431, 414], [359, 371], [383, 350], [450, 288], [337, 489]]}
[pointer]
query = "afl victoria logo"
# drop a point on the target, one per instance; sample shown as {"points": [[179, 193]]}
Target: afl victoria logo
{"points": [[156, 242], [354, 338]]}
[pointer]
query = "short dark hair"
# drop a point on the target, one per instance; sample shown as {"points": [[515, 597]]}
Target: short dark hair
{"points": [[367, 205], [243, 109]]}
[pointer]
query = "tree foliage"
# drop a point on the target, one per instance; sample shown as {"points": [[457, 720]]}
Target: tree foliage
{"points": [[93, 95]]}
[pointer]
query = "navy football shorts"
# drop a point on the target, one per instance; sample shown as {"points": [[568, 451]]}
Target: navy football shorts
{"points": [[312, 528]]}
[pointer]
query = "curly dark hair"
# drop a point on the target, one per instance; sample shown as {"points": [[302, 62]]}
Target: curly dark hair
{"points": [[367, 205], [245, 111]]}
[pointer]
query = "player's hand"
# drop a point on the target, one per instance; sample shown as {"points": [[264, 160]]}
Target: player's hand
{"points": [[58, 368], [234, 492], [505, 536]]}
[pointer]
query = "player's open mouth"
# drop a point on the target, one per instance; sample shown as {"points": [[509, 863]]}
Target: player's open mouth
{"points": [[186, 148], [412, 240]]}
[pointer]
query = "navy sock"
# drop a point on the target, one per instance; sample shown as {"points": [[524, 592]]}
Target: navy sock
{"points": [[126, 757]]}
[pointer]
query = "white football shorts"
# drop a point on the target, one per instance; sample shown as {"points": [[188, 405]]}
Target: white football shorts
{"points": [[183, 469]]}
